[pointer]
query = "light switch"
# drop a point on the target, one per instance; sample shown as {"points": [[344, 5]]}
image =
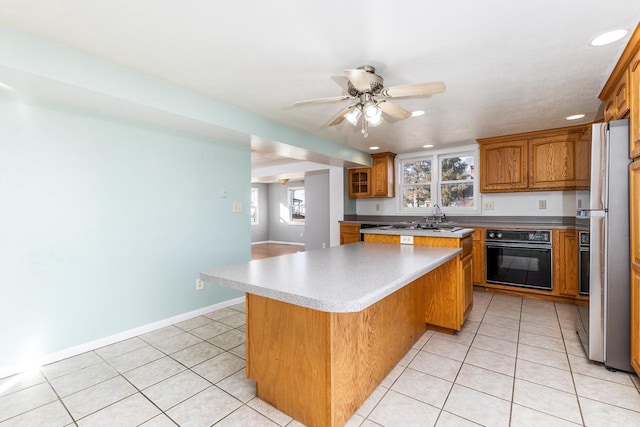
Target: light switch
{"points": [[237, 207], [542, 204], [224, 193]]}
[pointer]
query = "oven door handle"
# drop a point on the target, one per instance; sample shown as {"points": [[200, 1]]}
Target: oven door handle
{"points": [[517, 245]]}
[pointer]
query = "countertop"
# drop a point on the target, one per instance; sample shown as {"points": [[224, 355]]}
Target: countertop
{"points": [[493, 222], [346, 278], [389, 230]]}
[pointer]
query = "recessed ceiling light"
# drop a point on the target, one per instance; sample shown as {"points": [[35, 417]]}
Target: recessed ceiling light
{"points": [[374, 148], [427, 146], [417, 113], [574, 117], [609, 37], [6, 86]]}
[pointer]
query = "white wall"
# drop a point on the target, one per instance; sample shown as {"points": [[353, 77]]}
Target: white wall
{"points": [[559, 203]]}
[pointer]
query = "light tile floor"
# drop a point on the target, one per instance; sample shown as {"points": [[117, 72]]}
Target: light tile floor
{"points": [[516, 362]]}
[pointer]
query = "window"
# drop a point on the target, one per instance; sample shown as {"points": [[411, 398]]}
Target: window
{"points": [[296, 205], [445, 178], [254, 205], [456, 181]]}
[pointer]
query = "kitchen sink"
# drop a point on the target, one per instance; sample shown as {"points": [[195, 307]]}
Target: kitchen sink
{"points": [[427, 226]]}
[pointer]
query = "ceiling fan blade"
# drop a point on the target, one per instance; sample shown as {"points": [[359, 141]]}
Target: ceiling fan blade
{"points": [[342, 81], [358, 79], [322, 100], [394, 110], [417, 89], [340, 116]]}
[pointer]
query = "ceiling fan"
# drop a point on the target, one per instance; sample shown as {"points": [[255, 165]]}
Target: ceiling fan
{"points": [[372, 98]]}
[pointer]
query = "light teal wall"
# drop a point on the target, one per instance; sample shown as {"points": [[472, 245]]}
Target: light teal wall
{"points": [[105, 225]]}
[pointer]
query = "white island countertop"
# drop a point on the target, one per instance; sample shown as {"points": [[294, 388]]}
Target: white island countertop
{"points": [[341, 279]]}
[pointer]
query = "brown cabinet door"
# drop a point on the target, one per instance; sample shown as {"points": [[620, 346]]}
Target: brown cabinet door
{"points": [[610, 109], [635, 318], [634, 95], [634, 203], [478, 256], [552, 162], [360, 182], [503, 166], [382, 175], [565, 262], [583, 161], [349, 233], [467, 280], [621, 96]]}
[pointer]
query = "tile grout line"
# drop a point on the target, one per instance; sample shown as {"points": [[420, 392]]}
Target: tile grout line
{"points": [[573, 380]]}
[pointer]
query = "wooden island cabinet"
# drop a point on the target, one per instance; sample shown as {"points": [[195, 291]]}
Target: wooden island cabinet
{"points": [[318, 346], [447, 306]]}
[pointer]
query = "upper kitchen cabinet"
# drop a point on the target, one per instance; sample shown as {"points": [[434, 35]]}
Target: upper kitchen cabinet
{"points": [[634, 102], [376, 181], [360, 182], [617, 104], [553, 159], [621, 92], [503, 165]]}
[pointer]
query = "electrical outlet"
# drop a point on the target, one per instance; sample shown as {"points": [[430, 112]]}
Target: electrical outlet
{"points": [[488, 206], [377, 207], [542, 204], [199, 285], [406, 240]]}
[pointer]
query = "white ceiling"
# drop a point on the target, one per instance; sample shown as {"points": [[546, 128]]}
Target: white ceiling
{"points": [[509, 66]]}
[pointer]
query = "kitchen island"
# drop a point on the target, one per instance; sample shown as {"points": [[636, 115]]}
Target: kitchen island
{"points": [[447, 306], [325, 327]]}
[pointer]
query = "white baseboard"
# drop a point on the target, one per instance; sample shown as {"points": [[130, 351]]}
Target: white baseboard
{"points": [[278, 242], [6, 371]]}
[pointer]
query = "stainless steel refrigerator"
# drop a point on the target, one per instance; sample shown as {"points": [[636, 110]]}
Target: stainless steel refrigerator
{"points": [[604, 325]]}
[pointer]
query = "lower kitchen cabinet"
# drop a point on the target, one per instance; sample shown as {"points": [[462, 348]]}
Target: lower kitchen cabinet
{"points": [[349, 233], [634, 203], [478, 256], [467, 279], [635, 318], [565, 262]]}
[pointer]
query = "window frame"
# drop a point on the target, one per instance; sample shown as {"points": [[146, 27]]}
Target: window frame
{"points": [[256, 217], [290, 193], [436, 157]]}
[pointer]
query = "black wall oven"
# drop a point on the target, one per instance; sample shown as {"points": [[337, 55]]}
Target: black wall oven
{"points": [[520, 258]]}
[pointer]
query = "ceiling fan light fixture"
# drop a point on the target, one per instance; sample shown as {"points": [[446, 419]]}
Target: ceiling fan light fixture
{"points": [[353, 115], [372, 113]]}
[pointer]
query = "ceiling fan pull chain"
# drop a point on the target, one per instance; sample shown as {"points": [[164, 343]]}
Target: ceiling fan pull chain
{"points": [[364, 130]]}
